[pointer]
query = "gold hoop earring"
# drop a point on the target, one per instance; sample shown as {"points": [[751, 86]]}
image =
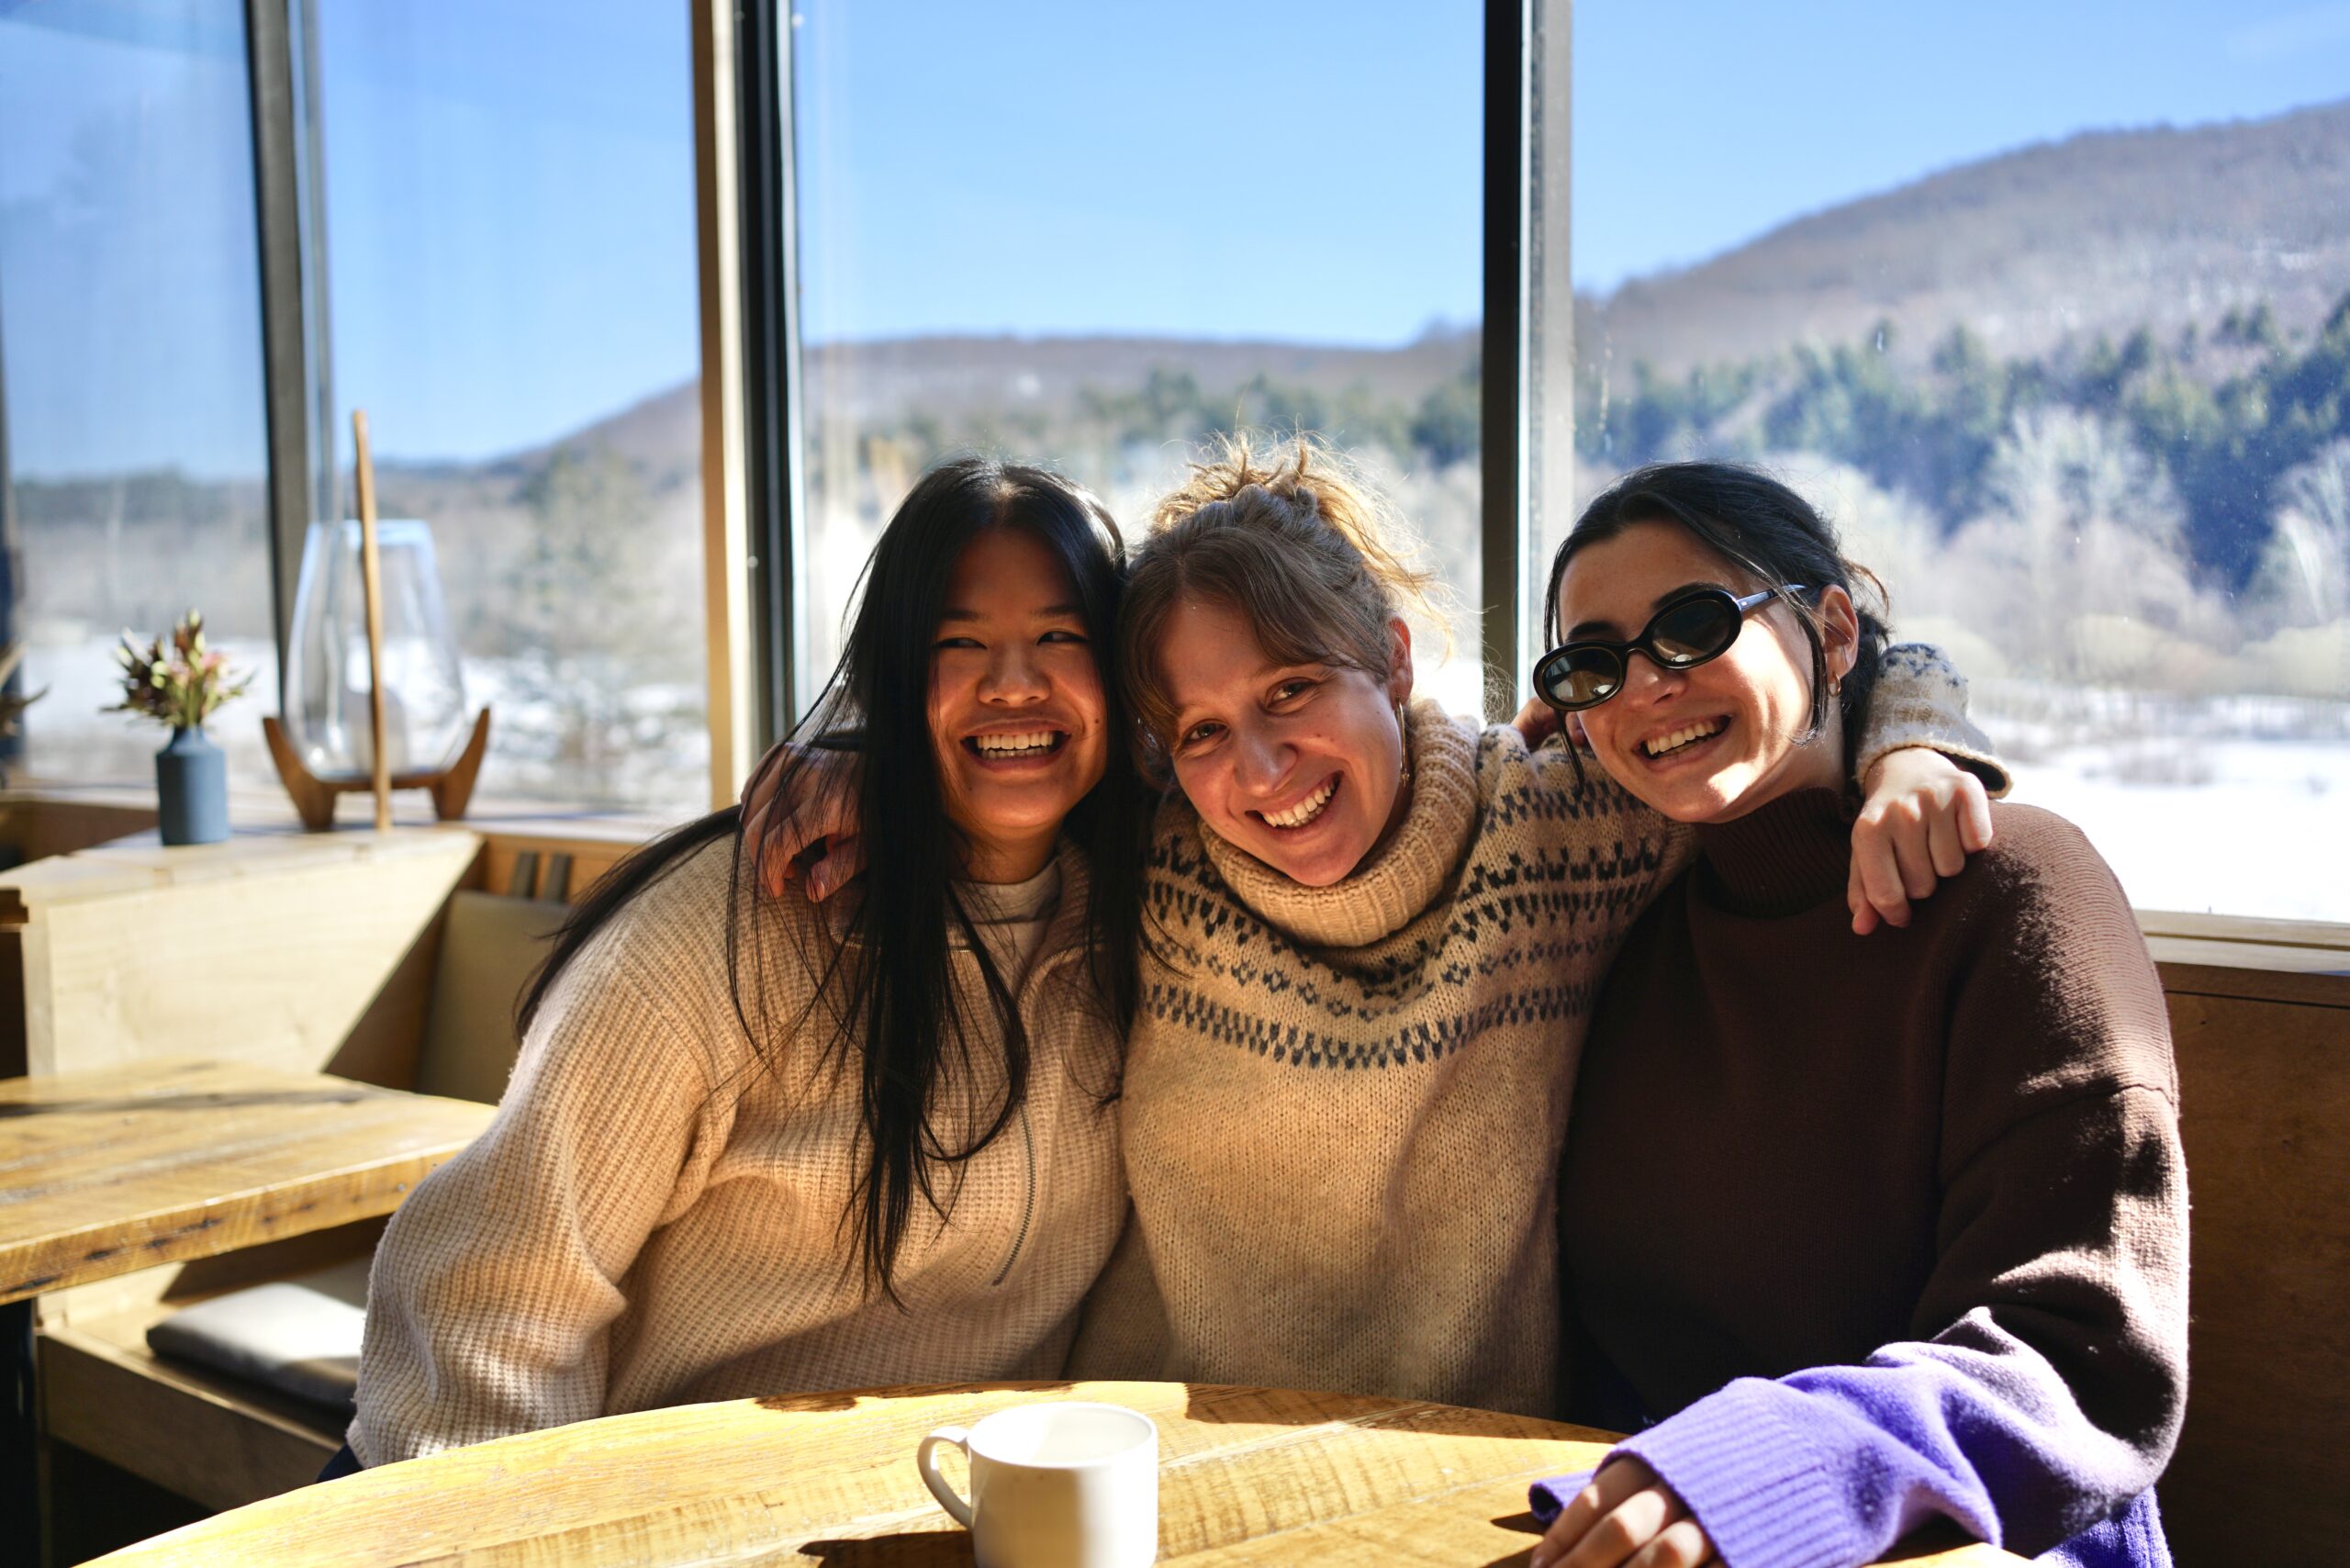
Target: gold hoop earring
{"points": [[1404, 748]]}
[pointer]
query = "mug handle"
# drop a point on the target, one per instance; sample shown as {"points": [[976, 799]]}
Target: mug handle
{"points": [[926, 1461]]}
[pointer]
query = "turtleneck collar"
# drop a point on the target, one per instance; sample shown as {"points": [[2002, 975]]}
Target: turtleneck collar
{"points": [[1399, 879], [1783, 858]]}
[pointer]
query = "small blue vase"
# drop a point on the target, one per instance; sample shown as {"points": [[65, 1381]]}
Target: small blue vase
{"points": [[192, 786]]}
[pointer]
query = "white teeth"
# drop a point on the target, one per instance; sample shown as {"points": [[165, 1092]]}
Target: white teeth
{"points": [[1305, 811], [1682, 737], [1015, 746]]}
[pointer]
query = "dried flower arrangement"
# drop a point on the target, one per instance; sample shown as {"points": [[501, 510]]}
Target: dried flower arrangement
{"points": [[178, 683]]}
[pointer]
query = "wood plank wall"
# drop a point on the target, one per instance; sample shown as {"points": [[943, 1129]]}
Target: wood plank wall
{"points": [[2263, 1469]]}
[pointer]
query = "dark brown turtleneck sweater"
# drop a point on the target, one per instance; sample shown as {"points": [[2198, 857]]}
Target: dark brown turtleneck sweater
{"points": [[1949, 1152]]}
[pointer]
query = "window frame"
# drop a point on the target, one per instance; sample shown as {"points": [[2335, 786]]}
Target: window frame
{"points": [[762, 88], [304, 482], [297, 382]]}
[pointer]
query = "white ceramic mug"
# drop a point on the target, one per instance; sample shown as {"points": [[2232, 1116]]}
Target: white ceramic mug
{"points": [[1060, 1485]]}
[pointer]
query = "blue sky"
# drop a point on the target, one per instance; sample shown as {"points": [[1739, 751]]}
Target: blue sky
{"points": [[1701, 125], [511, 199], [1303, 170]]}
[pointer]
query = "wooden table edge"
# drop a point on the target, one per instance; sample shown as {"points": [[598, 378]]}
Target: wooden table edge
{"points": [[179, 1233], [1171, 1401]]}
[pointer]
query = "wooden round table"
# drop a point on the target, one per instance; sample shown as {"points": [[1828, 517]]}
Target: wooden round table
{"points": [[1247, 1476]]}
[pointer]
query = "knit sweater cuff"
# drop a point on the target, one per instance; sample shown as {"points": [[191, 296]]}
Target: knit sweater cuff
{"points": [[1920, 700], [1754, 1480]]}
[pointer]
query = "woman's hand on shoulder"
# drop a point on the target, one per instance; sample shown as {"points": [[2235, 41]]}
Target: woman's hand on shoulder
{"points": [[1923, 816], [799, 816], [1625, 1519]]}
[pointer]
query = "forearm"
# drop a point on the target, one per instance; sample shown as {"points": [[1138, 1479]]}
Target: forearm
{"points": [[475, 1330], [1830, 1467]]}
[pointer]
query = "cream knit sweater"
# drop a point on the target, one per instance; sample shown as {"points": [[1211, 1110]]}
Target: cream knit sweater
{"points": [[654, 1218], [1345, 1106]]}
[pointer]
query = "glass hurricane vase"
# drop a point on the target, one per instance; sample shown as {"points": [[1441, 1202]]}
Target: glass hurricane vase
{"points": [[326, 685]]}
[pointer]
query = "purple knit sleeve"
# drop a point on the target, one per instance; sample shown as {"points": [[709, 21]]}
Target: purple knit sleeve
{"points": [[1831, 1468], [1827, 1468], [1780, 1482]]}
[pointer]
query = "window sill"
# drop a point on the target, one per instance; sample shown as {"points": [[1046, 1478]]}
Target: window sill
{"points": [[265, 810], [2271, 960], [2306, 960]]}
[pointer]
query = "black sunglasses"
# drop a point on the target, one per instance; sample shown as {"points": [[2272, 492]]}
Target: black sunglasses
{"points": [[1699, 625]]}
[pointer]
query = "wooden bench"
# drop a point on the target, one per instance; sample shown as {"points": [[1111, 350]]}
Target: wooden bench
{"points": [[383, 959], [215, 1437]]}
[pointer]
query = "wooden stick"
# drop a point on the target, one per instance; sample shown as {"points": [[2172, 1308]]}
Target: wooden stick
{"points": [[371, 580]]}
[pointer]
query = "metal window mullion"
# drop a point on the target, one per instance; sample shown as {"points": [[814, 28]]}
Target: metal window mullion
{"points": [[290, 217], [1547, 341], [12, 564], [1509, 25], [771, 318]]}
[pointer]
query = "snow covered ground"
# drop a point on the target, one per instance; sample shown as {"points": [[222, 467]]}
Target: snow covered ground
{"points": [[2231, 805], [2268, 834]]}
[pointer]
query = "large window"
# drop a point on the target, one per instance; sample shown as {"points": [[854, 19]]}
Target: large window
{"points": [[2059, 334], [131, 432], [1095, 236], [510, 200], [494, 210]]}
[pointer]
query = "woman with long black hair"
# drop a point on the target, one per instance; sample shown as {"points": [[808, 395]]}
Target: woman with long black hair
{"points": [[753, 1145]]}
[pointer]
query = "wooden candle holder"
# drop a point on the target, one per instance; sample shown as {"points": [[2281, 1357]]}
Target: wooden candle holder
{"points": [[314, 796]]}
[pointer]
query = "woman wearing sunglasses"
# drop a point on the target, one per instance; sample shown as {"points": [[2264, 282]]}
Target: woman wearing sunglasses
{"points": [[1853, 1234]]}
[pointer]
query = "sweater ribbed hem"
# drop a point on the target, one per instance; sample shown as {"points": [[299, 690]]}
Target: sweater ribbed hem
{"points": [[1755, 1481]]}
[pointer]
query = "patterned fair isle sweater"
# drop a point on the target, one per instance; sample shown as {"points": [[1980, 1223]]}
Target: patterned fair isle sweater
{"points": [[1344, 1106], [654, 1218]]}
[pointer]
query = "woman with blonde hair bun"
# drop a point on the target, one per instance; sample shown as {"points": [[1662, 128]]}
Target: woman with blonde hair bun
{"points": [[1372, 933]]}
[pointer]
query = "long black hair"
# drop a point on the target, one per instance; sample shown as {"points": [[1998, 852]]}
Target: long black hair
{"points": [[893, 1014], [1766, 530]]}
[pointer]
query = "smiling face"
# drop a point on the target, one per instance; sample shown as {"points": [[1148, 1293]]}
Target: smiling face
{"points": [[1714, 741], [1017, 715], [1299, 765]]}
